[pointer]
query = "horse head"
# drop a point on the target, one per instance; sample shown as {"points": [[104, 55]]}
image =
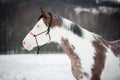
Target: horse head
{"points": [[40, 34]]}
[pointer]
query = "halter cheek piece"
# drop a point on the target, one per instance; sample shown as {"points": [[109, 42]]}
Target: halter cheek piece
{"points": [[48, 30]]}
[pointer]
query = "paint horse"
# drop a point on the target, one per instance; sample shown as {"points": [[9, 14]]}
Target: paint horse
{"points": [[91, 56]]}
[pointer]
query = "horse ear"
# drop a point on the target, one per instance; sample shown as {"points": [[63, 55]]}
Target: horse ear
{"points": [[44, 13]]}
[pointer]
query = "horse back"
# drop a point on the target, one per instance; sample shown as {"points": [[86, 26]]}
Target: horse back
{"points": [[112, 62]]}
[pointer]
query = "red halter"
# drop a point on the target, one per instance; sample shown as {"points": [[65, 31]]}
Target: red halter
{"points": [[35, 36], [31, 33]]}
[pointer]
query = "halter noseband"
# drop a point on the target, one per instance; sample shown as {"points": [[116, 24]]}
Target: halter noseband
{"points": [[48, 30]]}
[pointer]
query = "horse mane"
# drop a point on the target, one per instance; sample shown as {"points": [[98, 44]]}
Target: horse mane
{"points": [[76, 29], [71, 26]]}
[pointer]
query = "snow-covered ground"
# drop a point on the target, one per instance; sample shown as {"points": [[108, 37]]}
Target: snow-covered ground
{"points": [[35, 67]]}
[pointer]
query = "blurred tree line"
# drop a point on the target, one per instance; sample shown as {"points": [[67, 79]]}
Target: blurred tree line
{"points": [[17, 18]]}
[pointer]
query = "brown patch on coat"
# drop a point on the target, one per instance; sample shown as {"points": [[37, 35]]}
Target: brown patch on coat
{"points": [[75, 60], [115, 47], [48, 17], [99, 58], [54, 22]]}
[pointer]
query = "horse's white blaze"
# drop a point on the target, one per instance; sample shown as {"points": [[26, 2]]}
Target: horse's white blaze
{"points": [[39, 27], [30, 42], [112, 67]]}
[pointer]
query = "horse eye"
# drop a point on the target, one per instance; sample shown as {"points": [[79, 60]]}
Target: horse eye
{"points": [[38, 26]]}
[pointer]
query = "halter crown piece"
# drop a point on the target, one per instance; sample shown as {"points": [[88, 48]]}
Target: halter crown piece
{"points": [[48, 30]]}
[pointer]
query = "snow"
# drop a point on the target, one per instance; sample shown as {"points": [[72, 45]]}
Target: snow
{"points": [[80, 9], [118, 0], [96, 10], [35, 67]]}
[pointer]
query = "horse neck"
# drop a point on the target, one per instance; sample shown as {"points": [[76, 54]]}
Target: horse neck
{"points": [[72, 32]]}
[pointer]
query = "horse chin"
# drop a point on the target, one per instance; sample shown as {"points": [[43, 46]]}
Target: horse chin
{"points": [[28, 48]]}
